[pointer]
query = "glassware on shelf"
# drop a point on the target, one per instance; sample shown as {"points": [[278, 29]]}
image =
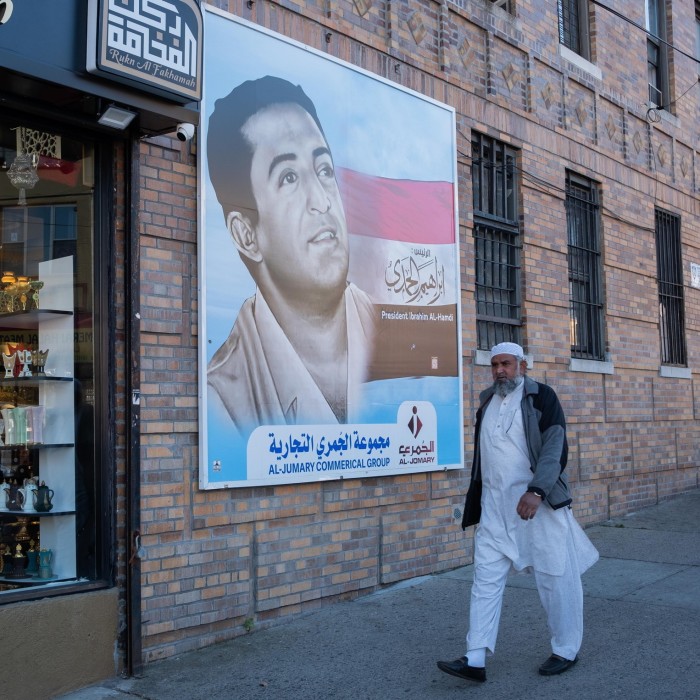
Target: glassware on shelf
{"points": [[8, 416], [35, 424]]}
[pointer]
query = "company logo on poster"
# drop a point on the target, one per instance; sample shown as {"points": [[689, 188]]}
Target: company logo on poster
{"points": [[329, 266], [325, 452]]}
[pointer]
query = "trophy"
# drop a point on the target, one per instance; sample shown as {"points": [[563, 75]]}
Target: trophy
{"points": [[25, 357], [22, 291], [35, 286], [39, 360], [9, 362]]}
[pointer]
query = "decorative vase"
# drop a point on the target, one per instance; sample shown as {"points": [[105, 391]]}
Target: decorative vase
{"points": [[18, 564], [32, 562], [45, 557]]}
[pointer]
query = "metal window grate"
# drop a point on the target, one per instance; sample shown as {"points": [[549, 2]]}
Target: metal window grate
{"points": [[585, 275], [497, 274], [496, 242], [569, 32], [669, 270], [574, 28]]}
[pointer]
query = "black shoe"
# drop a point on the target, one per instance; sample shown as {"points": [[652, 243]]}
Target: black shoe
{"points": [[555, 665], [461, 669]]}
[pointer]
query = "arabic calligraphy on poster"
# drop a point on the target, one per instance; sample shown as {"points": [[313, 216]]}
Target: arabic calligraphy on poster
{"points": [[418, 278]]}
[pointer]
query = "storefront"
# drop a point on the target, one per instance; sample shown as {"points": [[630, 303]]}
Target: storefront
{"points": [[78, 91]]}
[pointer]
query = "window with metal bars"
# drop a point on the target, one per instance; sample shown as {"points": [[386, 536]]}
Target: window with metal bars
{"points": [[496, 242], [573, 26], [585, 269], [669, 272]]}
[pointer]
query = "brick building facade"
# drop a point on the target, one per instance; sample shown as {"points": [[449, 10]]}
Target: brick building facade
{"points": [[220, 562]]}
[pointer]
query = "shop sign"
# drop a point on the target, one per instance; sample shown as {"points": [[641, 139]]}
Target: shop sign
{"points": [[6, 7], [155, 45]]}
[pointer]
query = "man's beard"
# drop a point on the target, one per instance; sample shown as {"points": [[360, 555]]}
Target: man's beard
{"points": [[507, 386]]}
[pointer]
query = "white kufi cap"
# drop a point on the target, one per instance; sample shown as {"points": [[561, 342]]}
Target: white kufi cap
{"points": [[508, 349]]}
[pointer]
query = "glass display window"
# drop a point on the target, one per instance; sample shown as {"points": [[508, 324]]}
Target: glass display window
{"points": [[48, 480]]}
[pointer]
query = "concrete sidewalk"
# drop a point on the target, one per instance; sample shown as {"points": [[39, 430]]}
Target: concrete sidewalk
{"points": [[642, 635]]}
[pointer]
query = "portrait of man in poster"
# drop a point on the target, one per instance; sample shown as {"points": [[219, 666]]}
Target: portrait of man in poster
{"points": [[299, 349]]}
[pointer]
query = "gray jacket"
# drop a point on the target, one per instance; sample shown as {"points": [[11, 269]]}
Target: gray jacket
{"points": [[545, 433]]}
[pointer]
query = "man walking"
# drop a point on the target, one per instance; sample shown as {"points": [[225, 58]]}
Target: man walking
{"points": [[520, 499]]}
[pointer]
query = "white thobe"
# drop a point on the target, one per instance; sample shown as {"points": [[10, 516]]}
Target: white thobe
{"points": [[552, 544]]}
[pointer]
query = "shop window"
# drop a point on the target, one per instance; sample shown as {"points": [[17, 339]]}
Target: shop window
{"points": [[496, 242], [669, 270], [49, 534], [585, 269], [573, 26]]}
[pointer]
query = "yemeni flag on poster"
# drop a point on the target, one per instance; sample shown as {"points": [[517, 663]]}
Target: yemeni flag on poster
{"points": [[403, 255]]}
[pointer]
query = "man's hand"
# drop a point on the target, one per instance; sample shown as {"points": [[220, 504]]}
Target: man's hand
{"points": [[528, 505]]}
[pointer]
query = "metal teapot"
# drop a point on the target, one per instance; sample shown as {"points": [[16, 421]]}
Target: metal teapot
{"points": [[42, 496], [14, 497]]}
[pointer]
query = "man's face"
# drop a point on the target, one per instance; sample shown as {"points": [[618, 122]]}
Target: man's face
{"points": [[301, 231], [505, 369]]}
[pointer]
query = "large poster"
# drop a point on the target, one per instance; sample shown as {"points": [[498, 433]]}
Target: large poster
{"points": [[329, 268]]}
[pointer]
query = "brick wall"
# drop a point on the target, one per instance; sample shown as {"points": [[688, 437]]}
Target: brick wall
{"points": [[220, 561]]}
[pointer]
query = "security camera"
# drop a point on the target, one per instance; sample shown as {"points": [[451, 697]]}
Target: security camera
{"points": [[185, 131]]}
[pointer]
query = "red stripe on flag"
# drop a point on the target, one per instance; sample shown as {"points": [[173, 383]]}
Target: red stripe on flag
{"points": [[409, 211]]}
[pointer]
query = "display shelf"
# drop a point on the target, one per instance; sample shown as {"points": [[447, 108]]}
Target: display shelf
{"points": [[31, 318], [54, 458], [27, 579], [35, 380], [24, 513], [35, 446]]}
